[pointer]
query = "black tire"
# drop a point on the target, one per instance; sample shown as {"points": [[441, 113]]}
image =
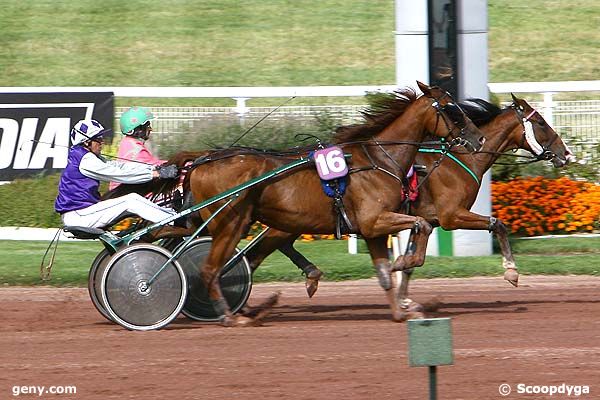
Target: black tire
{"points": [[94, 277], [236, 283]]}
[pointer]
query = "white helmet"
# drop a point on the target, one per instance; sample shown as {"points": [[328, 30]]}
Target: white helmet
{"points": [[85, 130]]}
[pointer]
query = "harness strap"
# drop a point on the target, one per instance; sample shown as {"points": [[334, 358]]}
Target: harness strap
{"points": [[403, 178], [455, 159], [342, 218], [342, 223], [46, 269]]}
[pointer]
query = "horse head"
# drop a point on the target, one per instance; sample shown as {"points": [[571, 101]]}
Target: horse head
{"points": [[538, 137], [449, 120]]}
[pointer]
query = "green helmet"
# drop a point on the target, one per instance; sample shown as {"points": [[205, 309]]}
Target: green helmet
{"points": [[133, 118]]}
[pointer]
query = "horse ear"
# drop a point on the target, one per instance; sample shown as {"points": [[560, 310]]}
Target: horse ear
{"points": [[514, 99], [424, 88]]}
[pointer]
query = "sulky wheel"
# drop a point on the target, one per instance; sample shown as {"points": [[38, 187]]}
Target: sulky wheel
{"points": [[131, 298], [94, 280], [236, 283]]}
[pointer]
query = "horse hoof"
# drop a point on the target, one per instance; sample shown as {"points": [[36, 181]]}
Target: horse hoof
{"points": [[415, 307], [229, 321], [512, 276], [262, 310], [400, 264], [312, 272], [311, 287], [246, 322], [432, 305], [399, 316], [414, 315]]}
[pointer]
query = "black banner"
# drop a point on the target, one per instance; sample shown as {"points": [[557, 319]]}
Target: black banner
{"points": [[34, 128]]}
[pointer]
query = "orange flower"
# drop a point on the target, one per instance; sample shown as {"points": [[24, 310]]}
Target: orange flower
{"points": [[539, 205]]}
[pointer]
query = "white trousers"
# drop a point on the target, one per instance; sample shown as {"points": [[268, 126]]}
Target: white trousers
{"points": [[105, 212]]}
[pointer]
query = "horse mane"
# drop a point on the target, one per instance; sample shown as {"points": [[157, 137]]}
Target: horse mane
{"points": [[480, 111], [378, 116]]}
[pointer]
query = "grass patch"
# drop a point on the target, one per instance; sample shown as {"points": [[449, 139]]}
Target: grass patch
{"points": [[21, 261], [268, 43], [555, 246]]}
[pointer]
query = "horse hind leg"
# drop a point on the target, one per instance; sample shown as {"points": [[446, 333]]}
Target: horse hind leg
{"points": [[312, 272], [284, 242], [414, 309]]}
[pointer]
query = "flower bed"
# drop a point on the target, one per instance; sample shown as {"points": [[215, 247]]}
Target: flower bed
{"points": [[537, 206]]}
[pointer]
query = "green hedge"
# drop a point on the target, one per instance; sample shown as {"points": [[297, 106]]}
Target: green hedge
{"points": [[30, 202]]}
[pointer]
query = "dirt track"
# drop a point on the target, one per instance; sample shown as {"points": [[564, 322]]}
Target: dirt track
{"points": [[339, 345]]}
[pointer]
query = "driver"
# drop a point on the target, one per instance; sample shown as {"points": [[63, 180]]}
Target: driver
{"points": [[136, 127], [78, 200]]}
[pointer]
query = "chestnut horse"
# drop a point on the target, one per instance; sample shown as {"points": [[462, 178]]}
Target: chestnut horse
{"points": [[449, 191], [381, 151]]}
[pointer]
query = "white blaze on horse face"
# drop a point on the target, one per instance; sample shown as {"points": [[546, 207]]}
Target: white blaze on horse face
{"points": [[570, 156], [536, 148]]}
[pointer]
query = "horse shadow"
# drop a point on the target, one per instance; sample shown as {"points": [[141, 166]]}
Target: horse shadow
{"points": [[378, 312], [373, 312]]}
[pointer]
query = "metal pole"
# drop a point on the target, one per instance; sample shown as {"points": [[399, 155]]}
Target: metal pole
{"points": [[432, 382]]}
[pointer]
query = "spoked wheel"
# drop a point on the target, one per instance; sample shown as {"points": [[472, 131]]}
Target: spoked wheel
{"points": [[236, 282], [94, 279], [128, 294]]}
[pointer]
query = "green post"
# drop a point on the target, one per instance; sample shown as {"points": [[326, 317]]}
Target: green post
{"points": [[445, 242], [430, 345], [432, 382]]}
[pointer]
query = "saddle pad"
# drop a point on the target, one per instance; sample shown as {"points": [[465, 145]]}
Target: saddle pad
{"points": [[329, 186]]}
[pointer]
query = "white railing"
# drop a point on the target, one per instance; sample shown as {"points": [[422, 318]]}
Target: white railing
{"points": [[548, 90], [243, 94], [580, 119], [239, 94]]}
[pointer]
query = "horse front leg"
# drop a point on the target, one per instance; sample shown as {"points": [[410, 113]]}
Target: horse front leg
{"points": [[416, 248], [511, 274], [465, 219], [389, 223]]}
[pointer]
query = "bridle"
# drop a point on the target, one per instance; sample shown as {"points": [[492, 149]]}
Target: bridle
{"points": [[541, 152], [441, 112]]}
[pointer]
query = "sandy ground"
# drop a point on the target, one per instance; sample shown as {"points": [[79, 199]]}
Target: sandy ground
{"points": [[339, 345]]}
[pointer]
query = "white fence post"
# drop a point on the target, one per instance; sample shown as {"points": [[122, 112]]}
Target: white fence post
{"points": [[548, 108], [240, 105], [352, 244]]}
